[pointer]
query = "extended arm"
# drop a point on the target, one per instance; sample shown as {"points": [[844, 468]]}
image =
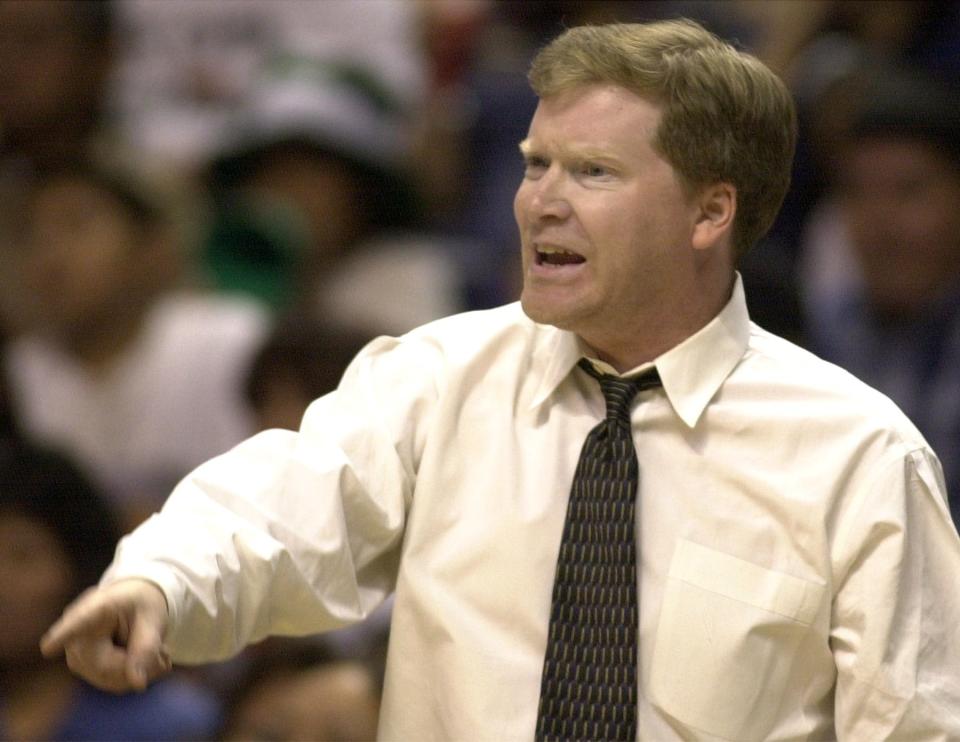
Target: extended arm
{"points": [[288, 533]]}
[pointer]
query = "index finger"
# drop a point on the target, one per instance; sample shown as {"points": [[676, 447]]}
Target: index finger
{"points": [[89, 615]]}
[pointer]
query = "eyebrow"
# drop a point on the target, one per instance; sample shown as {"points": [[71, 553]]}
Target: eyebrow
{"points": [[575, 153]]}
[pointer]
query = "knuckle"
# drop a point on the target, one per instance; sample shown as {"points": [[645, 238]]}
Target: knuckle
{"points": [[75, 661]]}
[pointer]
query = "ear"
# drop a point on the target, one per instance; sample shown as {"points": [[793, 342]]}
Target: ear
{"points": [[717, 207]]}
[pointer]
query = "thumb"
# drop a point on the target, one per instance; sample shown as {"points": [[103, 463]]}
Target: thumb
{"points": [[147, 658]]}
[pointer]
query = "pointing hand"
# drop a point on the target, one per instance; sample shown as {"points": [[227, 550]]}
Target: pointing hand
{"points": [[112, 636]]}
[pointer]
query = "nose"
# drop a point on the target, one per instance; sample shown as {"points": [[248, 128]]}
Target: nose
{"points": [[548, 197]]}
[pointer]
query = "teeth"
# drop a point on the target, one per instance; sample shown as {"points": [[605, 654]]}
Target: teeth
{"points": [[552, 251]]}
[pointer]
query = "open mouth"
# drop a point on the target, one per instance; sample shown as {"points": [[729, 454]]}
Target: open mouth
{"points": [[557, 256]]}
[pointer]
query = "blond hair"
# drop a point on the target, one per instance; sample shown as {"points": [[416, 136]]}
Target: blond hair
{"points": [[725, 116]]}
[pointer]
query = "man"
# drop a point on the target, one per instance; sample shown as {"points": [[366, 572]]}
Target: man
{"points": [[795, 562], [56, 63], [882, 270], [138, 380]]}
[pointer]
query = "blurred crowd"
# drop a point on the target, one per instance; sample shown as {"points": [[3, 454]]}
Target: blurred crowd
{"points": [[208, 207]]}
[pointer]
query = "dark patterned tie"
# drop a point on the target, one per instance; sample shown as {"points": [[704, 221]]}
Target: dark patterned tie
{"points": [[589, 685]]}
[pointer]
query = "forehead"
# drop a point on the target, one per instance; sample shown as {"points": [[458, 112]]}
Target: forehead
{"points": [[20, 526], [73, 192], [891, 153], [601, 116], [68, 186]]}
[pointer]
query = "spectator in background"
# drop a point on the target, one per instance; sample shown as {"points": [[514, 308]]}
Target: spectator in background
{"points": [[9, 430], [881, 280], [299, 362], [295, 689], [315, 208], [56, 537], [814, 45], [186, 67], [137, 381], [56, 62]]}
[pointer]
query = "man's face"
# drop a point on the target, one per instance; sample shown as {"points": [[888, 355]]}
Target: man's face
{"points": [[901, 205], [81, 255], [605, 223], [36, 581], [50, 75]]}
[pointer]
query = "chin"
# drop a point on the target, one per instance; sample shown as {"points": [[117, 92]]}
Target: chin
{"points": [[547, 313]]}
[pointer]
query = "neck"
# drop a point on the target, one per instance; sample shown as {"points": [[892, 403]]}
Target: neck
{"points": [[672, 320], [98, 345]]}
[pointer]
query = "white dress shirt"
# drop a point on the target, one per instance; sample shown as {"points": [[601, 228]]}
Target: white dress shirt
{"points": [[798, 568]]}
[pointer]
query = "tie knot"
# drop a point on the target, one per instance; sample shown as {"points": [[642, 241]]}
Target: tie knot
{"points": [[619, 392]]}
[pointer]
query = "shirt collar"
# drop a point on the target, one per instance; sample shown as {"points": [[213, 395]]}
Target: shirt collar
{"points": [[692, 372]]}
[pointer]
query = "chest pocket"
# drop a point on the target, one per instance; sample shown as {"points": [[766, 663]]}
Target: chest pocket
{"points": [[727, 637]]}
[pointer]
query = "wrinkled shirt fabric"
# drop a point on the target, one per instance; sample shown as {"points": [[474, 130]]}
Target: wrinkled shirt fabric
{"points": [[798, 574]]}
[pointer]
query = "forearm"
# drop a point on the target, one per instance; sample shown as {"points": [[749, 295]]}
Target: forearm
{"points": [[254, 543]]}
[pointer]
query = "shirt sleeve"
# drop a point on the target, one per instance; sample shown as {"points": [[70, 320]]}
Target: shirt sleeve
{"points": [[896, 613], [294, 532]]}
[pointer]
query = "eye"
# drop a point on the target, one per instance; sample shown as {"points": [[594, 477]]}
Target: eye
{"points": [[593, 170], [534, 165]]}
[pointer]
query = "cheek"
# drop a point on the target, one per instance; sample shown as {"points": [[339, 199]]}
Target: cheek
{"points": [[44, 585], [32, 573], [908, 231], [88, 257], [622, 235], [521, 201], [32, 593], [934, 224]]}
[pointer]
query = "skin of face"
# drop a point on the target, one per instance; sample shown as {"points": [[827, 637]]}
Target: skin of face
{"points": [[631, 283], [84, 262], [49, 75], [324, 192], [36, 581], [327, 703], [899, 199]]}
